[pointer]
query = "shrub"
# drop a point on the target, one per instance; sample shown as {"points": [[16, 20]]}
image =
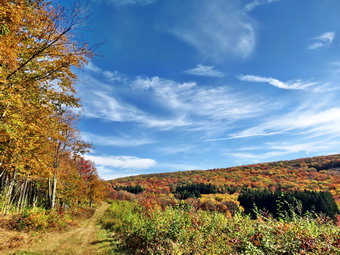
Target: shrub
{"points": [[181, 230], [38, 219]]}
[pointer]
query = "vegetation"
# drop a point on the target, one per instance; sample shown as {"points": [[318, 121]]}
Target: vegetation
{"points": [[183, 230], [278, 202], [194, 190], [40, 148], [314, 174], [132, 189], [286, 207]]}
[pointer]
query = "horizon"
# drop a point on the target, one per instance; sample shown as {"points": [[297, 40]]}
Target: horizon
{"points": [[182, 85]]}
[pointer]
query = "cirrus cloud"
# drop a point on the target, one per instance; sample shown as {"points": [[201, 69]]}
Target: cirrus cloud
{"points": [[216, 29], [296, 84], [202, 70], [322, 41]]}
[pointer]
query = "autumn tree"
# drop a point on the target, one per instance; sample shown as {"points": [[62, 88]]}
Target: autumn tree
{"points": [[94, 187], [37, 94]]}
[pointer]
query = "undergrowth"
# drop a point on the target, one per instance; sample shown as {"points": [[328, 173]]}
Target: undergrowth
{"points": [[39, 219], [182, 230]]}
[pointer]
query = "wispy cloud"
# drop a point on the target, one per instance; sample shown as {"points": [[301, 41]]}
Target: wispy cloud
{"points": [[244, 134], [124, 162], [335, 69], [295, 84], [105, 106], [218, 103], [314, 123], [125, 141], [202, 70], [184, 105], [177, 149], [216, 29], [100, 104], [281, 150], [322, 41], [109, 75], [256, 3], [129, 2]]}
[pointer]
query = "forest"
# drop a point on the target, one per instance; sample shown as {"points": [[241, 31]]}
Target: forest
{"points": [[285, 207], [314, 174]]}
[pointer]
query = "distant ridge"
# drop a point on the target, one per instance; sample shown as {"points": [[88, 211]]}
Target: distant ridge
{"points": [[321, 173]]}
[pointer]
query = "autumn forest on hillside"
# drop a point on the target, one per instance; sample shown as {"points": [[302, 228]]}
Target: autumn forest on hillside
{"points": [[47, 186]]}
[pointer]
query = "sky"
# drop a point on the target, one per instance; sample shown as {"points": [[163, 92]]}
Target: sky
{"points": [[202, 84]]}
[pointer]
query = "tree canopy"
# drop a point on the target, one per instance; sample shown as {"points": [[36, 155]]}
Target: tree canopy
{"points": [[39, 143]]}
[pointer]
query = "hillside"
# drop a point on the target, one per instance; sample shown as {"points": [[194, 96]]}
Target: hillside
{"points": [[315, 173]]}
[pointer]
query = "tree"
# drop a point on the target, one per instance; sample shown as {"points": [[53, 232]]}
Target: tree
{"points": [[36, 92]]}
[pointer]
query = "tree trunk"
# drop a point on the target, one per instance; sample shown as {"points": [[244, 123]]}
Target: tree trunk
{"points": [[54, 191], [8, 194]]}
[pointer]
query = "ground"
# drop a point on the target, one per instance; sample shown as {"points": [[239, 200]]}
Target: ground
{"points": [[86, 239]]}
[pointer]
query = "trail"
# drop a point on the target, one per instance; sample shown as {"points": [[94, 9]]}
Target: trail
{"points": [[81, 240]]}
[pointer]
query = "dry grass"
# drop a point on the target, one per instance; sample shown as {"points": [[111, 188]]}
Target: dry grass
{"points": [[77, 240]]}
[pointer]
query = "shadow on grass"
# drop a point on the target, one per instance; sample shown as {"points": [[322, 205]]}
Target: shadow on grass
{"points": [[111, 245]]}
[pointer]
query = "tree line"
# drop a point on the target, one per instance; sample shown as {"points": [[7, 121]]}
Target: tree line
{"points": [[279, 204], [194, 190], [135, 189], [40, 147]]}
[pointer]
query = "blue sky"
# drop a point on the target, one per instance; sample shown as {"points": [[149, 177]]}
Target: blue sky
{"points": [[201, 84]]}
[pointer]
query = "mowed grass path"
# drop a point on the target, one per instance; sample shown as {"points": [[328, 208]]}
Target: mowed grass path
{"points": [[86, 239]]}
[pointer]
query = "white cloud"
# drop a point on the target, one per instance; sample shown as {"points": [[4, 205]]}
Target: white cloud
{"points": [[183, 105], [202, 70], [217, 29], [90, 66], [124, 141], [99, 104], [177, 149], [256, 3], [321, 41], [293, 85], [105, 106], [109, 76], [124, 162], [280, 150], [113, 76], [315, 123], [246, 133], [129, 2], [109, 174], [214, 103]]}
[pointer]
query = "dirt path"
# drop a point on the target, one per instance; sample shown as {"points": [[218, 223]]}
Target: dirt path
{"points": [[81, 240]]}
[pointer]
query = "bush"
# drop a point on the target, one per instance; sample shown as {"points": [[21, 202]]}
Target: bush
{"points": [[38, 219], [181, 230]]}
